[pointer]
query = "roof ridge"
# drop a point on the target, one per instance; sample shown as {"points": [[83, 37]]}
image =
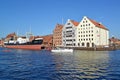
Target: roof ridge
{"points": [[75, 23], [97, 24]]}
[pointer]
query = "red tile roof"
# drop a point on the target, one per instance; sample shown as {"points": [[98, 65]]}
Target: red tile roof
{"points": [[74, 22], [12, 34], [98, 24], [46, 38], [58, 27], [114, 39]]}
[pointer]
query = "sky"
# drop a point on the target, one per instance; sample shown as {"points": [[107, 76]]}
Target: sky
{"points": [[41, 16]]}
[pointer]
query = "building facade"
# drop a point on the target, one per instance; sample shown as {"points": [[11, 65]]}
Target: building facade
{"points": [[57, 35], [69, 33], [91, 34]]}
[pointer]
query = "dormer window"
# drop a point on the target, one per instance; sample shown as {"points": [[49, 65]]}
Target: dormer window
{"points": [[68, 23]]}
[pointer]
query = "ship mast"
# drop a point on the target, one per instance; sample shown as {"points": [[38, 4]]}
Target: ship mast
{"points": [[28, 34]]}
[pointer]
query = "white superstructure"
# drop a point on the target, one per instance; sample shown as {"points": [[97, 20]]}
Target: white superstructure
{"points": [[22, 40]]}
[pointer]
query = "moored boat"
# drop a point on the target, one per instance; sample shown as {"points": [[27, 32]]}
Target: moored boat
{"points": [[23, 43], [62, 50], [27, 47]]}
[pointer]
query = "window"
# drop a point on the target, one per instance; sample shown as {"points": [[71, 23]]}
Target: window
{"points": [[69, 31], [82, 44], [74, 44], [78, 44], [92, 44], [68, 23], [68, 27], [69, 36], [92, 35]]}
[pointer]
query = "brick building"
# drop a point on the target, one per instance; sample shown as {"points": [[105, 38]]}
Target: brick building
{"points": [[57, 35]]}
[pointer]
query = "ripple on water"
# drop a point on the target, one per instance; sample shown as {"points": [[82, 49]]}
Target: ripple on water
{"points": [[44, 65]]}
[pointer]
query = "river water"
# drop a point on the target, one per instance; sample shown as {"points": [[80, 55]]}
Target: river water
{"points": [[45, 65]]}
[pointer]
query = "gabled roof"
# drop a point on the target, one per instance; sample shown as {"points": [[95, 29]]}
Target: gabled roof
{"points": [[47, 38], [98, 24], [75, 23], [58, 27]]}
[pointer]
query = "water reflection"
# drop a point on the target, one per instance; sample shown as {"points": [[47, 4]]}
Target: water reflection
{"points": [[44, 65], [82, 65]]}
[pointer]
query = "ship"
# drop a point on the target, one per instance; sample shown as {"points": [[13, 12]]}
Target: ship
{"points": [[23, 42]]}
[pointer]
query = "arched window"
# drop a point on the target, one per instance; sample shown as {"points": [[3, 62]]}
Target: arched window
{"points": [[92, 44], [83, 44], [78, 44], [88, 45]]}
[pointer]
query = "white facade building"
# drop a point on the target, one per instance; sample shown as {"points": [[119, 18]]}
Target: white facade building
{"points": [[69, 33], [91, 34], [22, 40]]}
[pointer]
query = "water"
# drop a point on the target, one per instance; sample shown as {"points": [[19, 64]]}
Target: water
{"points": [[44, 65]]}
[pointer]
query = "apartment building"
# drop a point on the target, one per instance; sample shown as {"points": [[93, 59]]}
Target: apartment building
{"points": [[69, 33]]}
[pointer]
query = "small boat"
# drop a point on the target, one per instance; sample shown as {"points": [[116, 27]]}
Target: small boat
{"points": [[61, 50]]}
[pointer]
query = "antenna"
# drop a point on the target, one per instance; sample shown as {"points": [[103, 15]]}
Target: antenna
{"points": [[62, 21], [30, 28], [28, 34], [17, 32]]}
